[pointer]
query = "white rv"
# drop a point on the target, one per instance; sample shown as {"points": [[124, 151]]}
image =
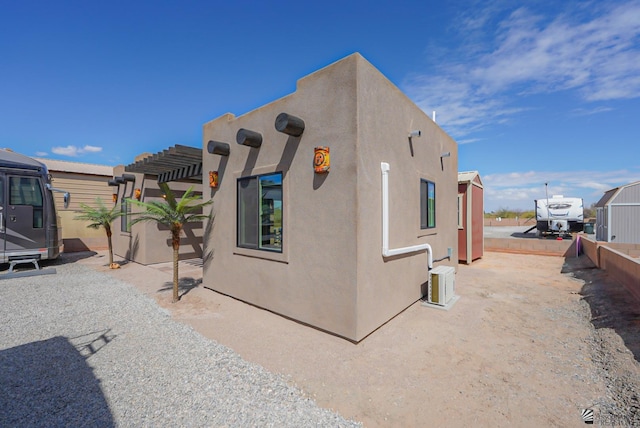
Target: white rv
{"points": [[559, 215]]}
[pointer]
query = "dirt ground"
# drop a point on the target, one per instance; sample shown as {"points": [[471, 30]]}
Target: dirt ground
{"points": [[532, 341]]}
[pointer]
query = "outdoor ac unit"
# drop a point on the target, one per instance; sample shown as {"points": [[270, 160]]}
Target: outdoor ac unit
{"points": [[441, 285]]}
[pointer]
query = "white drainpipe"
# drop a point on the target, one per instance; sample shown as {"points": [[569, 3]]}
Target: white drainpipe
{"points": [[386, 252]]}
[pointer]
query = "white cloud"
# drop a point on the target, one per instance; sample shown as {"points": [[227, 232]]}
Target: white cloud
{"points": [[596, 56], [74, 151], [65, 151], [91, 149], [519, 190], [42, 154]]}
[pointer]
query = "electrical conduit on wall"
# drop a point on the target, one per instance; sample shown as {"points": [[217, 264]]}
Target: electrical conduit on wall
{"points": [[386, 252]]}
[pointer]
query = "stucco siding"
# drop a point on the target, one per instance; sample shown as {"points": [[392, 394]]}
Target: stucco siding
{"points": [[385, 117], [331, 273], [147, 242], [314, 278]]}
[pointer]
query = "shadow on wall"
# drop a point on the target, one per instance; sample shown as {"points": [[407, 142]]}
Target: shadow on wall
{"points": [[612, 306], [132, 252], [49, 383]]}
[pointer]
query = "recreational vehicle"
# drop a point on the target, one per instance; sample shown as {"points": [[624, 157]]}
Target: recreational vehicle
{"points": [[29, 229], [559, 215]]}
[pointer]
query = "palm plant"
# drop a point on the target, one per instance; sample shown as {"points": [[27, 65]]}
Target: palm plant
{"points": [[174, 215], [100, 216]]}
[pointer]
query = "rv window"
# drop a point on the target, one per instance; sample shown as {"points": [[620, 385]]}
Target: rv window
{"points": [[427, 204], [27, 191], [260, 212]]}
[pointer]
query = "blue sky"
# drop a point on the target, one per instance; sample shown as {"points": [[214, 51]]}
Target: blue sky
{"points": [[533, 91]]}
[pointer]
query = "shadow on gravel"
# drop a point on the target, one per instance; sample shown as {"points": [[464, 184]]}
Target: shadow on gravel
{"points": [[65, 258], [49, 383], [612, 306]]}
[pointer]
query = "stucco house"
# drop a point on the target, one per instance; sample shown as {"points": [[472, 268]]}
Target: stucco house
{"points": [[617, 214], [148, 243], [332, 203]]}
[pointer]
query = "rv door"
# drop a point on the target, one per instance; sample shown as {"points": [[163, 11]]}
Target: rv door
{"points": [[23, 216], [3, 259]]}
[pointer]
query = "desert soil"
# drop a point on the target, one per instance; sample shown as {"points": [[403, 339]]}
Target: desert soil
{"points": [[532, 341]]}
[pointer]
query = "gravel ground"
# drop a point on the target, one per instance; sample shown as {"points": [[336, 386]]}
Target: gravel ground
{"points": [[81, 348]]}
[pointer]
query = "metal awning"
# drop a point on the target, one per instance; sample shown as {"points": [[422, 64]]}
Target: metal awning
{"points": [[175, 163]]}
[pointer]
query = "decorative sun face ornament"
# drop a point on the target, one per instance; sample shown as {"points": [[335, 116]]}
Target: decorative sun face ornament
{"points": [[321, 160], [213, 179]]}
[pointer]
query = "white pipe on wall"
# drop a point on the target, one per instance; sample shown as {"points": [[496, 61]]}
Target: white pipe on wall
{"points": [[386, 252]]}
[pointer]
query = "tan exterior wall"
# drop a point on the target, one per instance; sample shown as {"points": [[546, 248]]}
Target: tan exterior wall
{"points": [[623, 268], [84, 189], [619, 260], [147, 242], [331, 273], [549, 247], [590, 248], [385, 116]]}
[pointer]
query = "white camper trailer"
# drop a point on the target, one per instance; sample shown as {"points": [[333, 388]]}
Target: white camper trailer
{"points": [[559, 215]]}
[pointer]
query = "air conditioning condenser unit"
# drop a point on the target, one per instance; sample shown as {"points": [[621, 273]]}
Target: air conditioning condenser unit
{"points": [[441, 285]]}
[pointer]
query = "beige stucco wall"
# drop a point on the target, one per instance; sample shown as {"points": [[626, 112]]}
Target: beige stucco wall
{"points": [[148, 243], [331, 273], [385, 117]]}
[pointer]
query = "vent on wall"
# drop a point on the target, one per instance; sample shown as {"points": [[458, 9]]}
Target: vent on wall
{"points": [[441, 285]]}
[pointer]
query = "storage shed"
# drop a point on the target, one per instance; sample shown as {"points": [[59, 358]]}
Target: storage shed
{"points": [[470, 216], [618, 214], [332, 203]]}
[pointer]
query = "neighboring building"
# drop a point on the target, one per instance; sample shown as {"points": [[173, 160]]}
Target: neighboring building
{"points": [[146, 243], [84, 182], [470, 216], [617, 214], [342, 250]]}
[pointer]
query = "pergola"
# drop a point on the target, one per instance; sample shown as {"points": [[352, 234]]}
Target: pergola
{"points": [[175, 163]]}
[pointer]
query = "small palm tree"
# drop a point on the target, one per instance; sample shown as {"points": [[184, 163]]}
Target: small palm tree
{"points": [[100, 216], [174, 215]]}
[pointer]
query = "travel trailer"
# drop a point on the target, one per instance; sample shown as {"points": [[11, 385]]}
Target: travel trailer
{"points": [[559, 215], [29, 229]]}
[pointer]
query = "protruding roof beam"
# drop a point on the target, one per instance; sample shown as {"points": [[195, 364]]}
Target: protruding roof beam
{"points": [[289, 124], [218, 148], [249, 138]]}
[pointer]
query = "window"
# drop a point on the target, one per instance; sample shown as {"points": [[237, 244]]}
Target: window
{"points": [[260, 212], [460, 210], [125, 209], [427, 204], [27, 191]]}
